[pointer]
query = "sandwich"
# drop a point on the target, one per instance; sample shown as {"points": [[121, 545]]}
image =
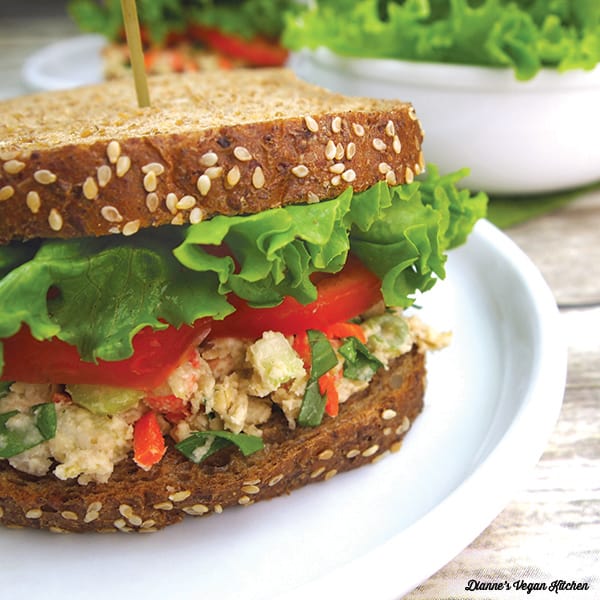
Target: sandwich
{"points": [[202, 302], [190, 35]]}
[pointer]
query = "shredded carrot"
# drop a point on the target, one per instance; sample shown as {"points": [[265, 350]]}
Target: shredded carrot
{"points": [[327, 382], [343, 330], [171, 406], [61, 397], [177, 60], [224, 63], [150, 58], [302, 348], [327, 387], [190, 65]]}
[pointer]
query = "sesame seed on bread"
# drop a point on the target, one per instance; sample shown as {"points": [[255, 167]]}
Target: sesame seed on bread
{"points": [[369, 425], [90, 162]]}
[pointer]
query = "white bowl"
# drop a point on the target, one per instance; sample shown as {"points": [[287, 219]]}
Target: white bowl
{"points": [[517, 137]]}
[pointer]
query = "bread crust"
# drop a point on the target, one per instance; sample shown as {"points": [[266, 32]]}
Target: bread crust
{"points": [[89, 162], [370, 424]]}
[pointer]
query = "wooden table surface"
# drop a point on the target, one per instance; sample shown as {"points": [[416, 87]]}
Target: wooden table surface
{"points": [[551, 528]]}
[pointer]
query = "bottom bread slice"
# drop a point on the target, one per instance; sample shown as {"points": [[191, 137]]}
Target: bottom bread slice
{"points": [[370, 423]]}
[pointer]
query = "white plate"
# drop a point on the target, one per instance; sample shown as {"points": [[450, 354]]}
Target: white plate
{"points": [[492, 400], [66, 64]]}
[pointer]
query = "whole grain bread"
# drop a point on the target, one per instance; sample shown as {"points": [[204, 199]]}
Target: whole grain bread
{"points": [[90, 162], [369, 425]]}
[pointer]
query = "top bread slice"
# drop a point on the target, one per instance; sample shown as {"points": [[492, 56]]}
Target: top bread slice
{"points": [[89, 161]]}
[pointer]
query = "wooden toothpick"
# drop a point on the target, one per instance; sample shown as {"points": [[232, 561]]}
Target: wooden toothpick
{"points": [[134, 41]]}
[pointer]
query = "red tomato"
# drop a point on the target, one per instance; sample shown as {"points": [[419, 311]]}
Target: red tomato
{"points": [[156, 354], [258, 51], [148, 441], [340, 297]]}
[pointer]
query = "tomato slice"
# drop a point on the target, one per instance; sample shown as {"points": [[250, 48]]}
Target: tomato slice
{"points": [[258, 51], [340, 297], [156, 354]]}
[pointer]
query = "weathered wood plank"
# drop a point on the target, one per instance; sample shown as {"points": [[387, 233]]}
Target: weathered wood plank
{"points": [[551, 529], [565, 246]]}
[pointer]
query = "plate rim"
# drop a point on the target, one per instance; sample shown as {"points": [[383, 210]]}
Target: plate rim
{"points": [[33, 74], [549, 384]]}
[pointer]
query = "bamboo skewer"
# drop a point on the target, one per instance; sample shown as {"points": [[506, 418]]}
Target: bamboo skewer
{"points": [[134, 41]]}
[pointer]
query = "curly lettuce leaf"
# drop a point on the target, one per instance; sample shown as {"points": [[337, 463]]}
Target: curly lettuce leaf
{"points": [[246, 19], [400, 233], [276, 250], [161, 17], [92, 17], [157, 17], [525, 35], [96, 294]]}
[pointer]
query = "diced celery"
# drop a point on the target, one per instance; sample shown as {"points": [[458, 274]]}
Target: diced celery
{"points": [[104, 400]]}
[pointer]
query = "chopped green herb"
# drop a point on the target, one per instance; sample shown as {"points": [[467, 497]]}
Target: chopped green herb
{"points": [[359, 362], [322, 356], [5, 388], [323, 359], [45, 419], [313, 405], [22, 431], [202, 444]]}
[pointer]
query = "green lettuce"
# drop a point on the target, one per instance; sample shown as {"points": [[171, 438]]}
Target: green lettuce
{"points": [[246, 19], [276, 250], [400, 233], [161, 17], [158, 17], [97, 293], [525, 35]]}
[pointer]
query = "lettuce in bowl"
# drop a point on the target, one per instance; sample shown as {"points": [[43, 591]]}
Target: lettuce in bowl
{"points": [[524, 35]]}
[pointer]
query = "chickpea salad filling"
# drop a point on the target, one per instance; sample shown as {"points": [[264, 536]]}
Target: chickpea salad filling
{"points": [[224, 391]]}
